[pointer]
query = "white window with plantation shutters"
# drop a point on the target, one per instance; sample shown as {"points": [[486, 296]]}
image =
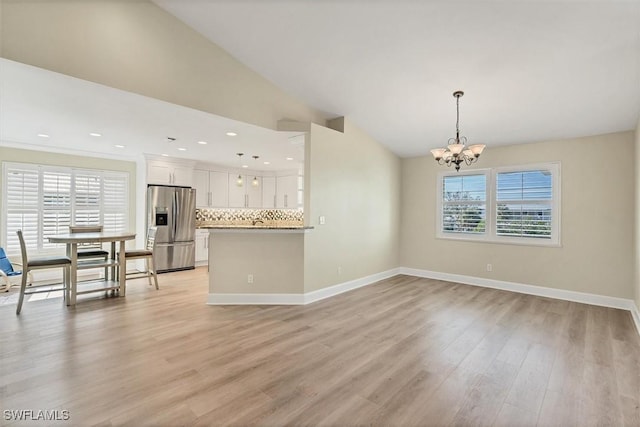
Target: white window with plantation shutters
{"points": [[44, 200], [463, 205], [20, 197], [115, 210], [517, 205], [56, 205], [87, 198], [527, 204]]}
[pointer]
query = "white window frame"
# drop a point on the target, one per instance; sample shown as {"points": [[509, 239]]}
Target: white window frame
{"points": [[41, 250], [440, 205], [490, 234]]}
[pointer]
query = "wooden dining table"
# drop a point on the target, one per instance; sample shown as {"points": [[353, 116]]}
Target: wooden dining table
{"points": [[72, 240]]}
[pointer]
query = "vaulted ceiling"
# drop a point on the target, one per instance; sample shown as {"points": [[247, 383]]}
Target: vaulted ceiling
{"points": [[531, 70]]}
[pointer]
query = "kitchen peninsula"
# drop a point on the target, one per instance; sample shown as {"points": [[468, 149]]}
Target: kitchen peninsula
{"points": [[254, 255], [249, 263]]}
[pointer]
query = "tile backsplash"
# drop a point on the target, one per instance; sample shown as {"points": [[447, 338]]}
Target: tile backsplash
{"points": [[271, 217]]}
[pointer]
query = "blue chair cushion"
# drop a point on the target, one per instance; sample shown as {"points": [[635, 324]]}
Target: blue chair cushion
{"points": [[5, 265]]}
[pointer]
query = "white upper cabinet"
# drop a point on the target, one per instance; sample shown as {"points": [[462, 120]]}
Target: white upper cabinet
{"points": [[168, 173], [201, 184], [254, 191], [246, 195], [219, 188], [287, 191], [211, 188], [237, 193], [269, 192]]}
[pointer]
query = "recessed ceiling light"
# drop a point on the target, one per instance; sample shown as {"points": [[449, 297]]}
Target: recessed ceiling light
{"points": [[95, 134], [43, 135], [164, 155], [245, 166], [119, 146], [267, 163], [202, 142], [289, 158], [182, 149], [232, 134]]}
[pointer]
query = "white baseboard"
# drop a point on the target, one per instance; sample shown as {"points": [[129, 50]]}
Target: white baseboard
{"points": [[320, 294], [298, 299], [561, 294], [255, 299], [323, 293]]}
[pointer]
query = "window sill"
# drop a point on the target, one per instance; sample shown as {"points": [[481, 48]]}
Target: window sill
{"points": [[514, 242]]}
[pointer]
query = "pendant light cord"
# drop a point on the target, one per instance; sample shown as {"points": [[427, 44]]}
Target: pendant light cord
{"points": [[457, 118]]}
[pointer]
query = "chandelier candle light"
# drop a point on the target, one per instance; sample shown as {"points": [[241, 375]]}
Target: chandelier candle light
{"points": [[455, 152]]}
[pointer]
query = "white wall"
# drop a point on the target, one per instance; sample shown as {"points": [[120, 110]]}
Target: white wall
{"points": [[597, 252], [274, 259], [354, 182], [138, 47], [637, 216]]}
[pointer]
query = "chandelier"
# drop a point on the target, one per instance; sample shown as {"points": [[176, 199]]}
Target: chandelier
{"points": [[455, 153]]}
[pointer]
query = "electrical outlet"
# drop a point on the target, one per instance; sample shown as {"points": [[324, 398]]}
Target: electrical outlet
{"points": [[489, 267], [250, 278], [339, 270], [321, 220]]}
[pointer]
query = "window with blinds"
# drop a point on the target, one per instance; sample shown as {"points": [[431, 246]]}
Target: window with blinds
{"points": [[464, 199], [518, 205], [524, 204], [44, 200]]}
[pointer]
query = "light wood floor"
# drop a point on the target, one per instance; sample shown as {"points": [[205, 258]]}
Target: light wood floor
{"points": [[405, 351]]}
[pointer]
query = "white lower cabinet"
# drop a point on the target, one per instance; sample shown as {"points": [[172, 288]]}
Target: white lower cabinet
{"points": [[202, 247]]}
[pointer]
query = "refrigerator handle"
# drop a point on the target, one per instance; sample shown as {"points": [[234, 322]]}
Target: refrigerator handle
{"points": [[175, 214]]}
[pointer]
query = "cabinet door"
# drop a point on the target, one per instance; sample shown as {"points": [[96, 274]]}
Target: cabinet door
{"points": [[237, 193], [287, 191], [182, 175], [269, 192], [201, 184], [219, 187], [202, 246], [254, 192], [158, 173]]}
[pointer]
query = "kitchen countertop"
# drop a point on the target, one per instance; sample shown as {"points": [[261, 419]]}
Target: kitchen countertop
{"points": [[254, 227]]}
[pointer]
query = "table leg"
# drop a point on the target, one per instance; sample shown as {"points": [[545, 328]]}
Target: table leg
{"points": [[123, 269], [113, 258], [72, 250]]}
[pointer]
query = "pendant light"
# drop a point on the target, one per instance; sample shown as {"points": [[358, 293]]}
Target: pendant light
{"points": [[255, 181], [455, 153], [239, 181]]}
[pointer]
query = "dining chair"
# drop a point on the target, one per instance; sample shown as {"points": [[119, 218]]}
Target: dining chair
{"points": [[29, 265], [147, 255], [8, 275], [91, 250]]}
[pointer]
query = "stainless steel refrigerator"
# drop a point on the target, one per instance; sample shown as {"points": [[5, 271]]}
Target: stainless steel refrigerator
{"points": [[173, 211]]}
